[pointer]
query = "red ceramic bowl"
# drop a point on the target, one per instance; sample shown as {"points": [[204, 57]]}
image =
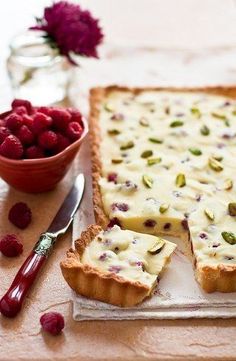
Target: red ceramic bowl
{"points": [[39, 175]]}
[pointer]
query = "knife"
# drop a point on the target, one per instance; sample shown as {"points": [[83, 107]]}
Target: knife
{"points": [[11, 302]]}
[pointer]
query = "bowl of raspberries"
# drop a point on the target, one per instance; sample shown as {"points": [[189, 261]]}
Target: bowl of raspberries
{"points": [[38, 144]]}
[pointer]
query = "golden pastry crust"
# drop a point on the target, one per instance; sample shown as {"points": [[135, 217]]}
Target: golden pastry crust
{"points": [[90, 282], [211, 278], [221, 278]]}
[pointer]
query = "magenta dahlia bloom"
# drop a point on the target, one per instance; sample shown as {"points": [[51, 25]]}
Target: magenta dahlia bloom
{"points": [[71, 29]]}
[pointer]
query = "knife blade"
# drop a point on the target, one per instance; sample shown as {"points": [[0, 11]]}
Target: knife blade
{"points": [[11, 302]]}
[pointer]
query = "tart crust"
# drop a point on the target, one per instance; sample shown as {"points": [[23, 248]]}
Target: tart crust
{"points": [[90, 282], [211, 278]]}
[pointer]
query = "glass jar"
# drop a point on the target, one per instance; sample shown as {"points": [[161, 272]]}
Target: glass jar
{"points": [[37, 72]]}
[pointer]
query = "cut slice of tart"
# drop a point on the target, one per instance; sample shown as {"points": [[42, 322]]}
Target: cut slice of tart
{"points": [[116, 266]]}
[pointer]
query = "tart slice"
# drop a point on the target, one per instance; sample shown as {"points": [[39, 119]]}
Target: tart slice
{"points": [[116, 266]]}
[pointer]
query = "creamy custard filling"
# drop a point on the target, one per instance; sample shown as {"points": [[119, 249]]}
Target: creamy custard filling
{"points": [[168, 159], [130, 255]]}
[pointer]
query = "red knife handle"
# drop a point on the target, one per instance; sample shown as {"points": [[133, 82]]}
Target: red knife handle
{"points": [[11, 302]]}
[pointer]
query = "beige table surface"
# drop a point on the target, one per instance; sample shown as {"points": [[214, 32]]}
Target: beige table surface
{"points": [[168, 24]]}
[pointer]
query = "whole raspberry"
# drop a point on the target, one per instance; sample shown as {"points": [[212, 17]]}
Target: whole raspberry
{"points": [[4, 132], [52, 322], [44, 110], [41, 122], [25, 135], [10, 246], [34, 152], [11, 147], [62, 143], [47, 139], [28, 121], [20, 215], [13, 121], [2, 122], [74, 131], [76, 116], [61, 118], [21, 102], [20, 110]]}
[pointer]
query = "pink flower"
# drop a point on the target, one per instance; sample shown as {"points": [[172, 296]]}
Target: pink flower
{"points": [[70, 29]]}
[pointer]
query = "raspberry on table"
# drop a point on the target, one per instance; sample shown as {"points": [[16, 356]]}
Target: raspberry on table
{"points": [[11, 147], [61, 118], [41, 122], [74, 131], [25, 135], [13, 121], [47, 139], [11, 246], [4, 132], [20, 215], [34, 152], [52, 322], [22, 102]]}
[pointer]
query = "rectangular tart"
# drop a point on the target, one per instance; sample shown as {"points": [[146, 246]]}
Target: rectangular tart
{"points": [[163, 162], [116, 266]]}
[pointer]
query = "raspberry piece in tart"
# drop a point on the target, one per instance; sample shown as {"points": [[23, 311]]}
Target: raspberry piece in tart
{"points": [[10, 246], [112, 177], [52, 322], [116, 266], [11, 147], [20, 215]]}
